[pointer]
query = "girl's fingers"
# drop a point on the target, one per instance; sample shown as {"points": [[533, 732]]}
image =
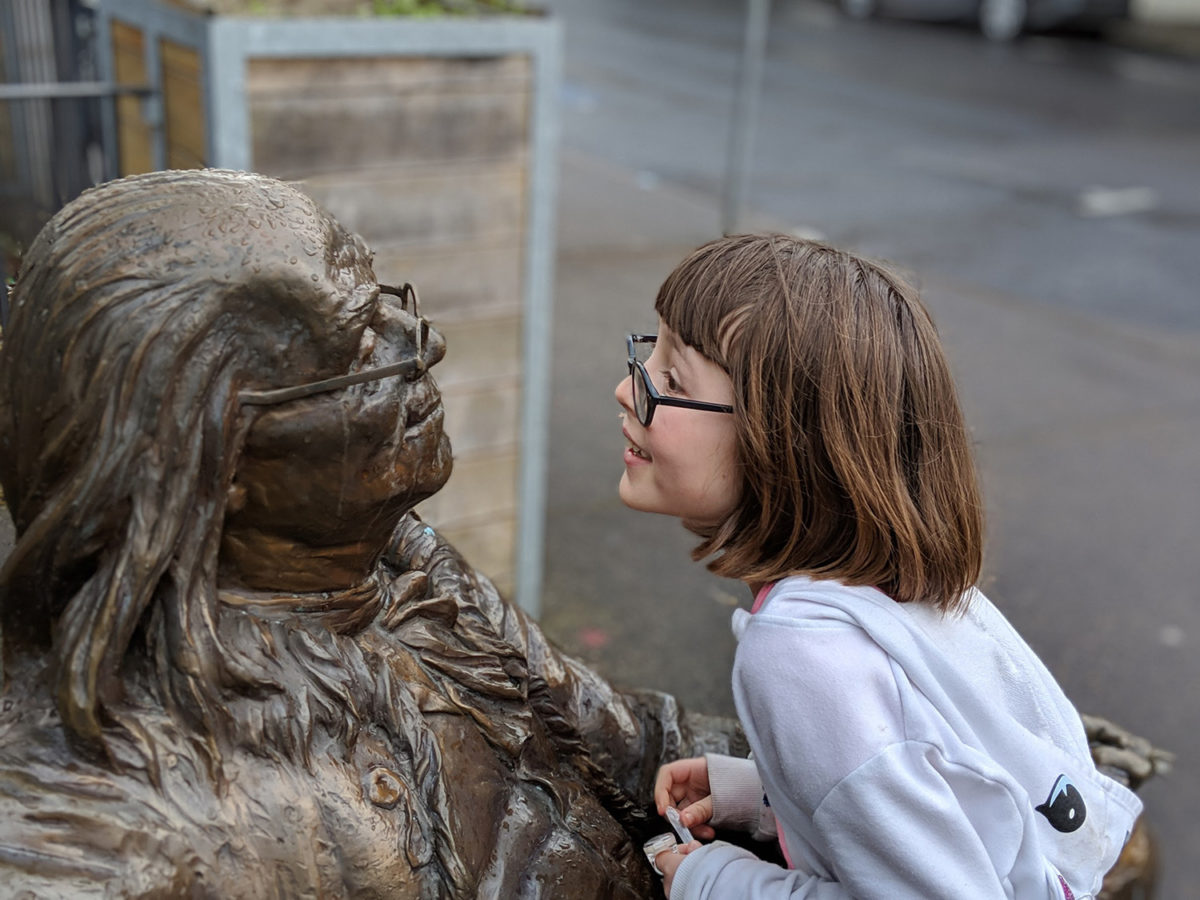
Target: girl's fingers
{"points": [[680, 782], [697, 813], [671, 784], [665, 791]]}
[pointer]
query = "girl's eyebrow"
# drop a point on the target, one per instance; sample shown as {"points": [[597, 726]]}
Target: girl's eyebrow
{"points": [[674, 341], [683, 360]]}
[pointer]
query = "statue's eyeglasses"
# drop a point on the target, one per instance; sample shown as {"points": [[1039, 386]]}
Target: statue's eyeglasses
{"points": [[645, 397], [411, 367]]}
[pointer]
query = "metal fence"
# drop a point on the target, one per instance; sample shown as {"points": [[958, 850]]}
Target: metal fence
{"points": [[50, 116]]}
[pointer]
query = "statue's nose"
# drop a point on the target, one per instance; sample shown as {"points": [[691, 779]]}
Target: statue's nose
{"points": [[433, 345]]}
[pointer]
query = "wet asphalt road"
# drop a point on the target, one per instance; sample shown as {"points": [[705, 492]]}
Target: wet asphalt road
{"points": [[1047, 197]]}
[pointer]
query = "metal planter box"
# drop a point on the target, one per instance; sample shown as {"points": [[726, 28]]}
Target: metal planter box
{"points": [[433, 138]]}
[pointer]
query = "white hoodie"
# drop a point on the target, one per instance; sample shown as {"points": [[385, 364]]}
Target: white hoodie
{"points": [[905, 755]]}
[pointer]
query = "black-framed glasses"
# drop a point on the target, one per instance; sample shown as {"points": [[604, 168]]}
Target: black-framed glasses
{"points": [[646, 397], [412, 366]]}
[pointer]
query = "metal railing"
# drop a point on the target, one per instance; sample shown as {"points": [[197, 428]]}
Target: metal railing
{"points": [[51, 103]]}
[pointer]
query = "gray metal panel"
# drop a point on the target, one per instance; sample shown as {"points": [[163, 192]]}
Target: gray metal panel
{"points": [[397, 37], [8, 29], [59, 90], [31, 50], [538, 321], [108, 106], [229, 115]]}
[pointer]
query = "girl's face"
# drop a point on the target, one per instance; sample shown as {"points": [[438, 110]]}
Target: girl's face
{"points": [[685, 463]]}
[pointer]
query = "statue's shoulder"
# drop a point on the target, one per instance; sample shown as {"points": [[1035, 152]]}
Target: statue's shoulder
{"points": [[158, 821], [417, 550], [71, 826]]}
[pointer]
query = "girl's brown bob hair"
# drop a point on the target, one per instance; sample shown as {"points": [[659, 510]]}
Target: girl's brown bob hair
{"points": [[856, 461]]}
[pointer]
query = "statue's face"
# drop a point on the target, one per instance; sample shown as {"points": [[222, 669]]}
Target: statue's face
{"points": [[341, 468]]}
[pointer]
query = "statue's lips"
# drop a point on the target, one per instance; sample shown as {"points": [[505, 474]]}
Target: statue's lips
{"points": [[423, 400]]}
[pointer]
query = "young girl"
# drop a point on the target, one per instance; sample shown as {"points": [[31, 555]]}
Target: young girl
{"points": [[796, 412]]}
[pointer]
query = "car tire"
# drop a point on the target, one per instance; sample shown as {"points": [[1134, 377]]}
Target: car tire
{"points": [[859, 9], [1002, 20]]}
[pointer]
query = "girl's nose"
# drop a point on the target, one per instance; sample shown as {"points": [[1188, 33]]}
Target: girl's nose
{"points": [[624, 393]]}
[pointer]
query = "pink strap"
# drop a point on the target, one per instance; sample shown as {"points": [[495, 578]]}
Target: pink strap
{"points": [[761, 596]]}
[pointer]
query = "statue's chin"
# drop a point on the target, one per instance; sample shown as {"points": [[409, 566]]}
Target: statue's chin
{"points": [[441, 467], [437, 463]]}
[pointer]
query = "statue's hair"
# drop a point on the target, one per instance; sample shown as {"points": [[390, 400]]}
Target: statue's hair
{"points": [[141, 310]]}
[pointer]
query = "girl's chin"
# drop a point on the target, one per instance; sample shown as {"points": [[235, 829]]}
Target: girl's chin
{"points": [[628, 494]]}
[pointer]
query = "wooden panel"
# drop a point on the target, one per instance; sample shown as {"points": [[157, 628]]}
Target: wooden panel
{"points": [[133, 134], [183, 106], [441, 204], [484, 415], [332, 117], [480, 349], [456, 281], [387, 76], [480, 489]]}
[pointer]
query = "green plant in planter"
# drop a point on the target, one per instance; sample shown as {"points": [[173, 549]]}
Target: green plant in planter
{"points": [[414, 8], [445, 7]]}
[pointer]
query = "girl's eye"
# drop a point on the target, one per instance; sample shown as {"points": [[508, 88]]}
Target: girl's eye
{"points": [[670, 382]]}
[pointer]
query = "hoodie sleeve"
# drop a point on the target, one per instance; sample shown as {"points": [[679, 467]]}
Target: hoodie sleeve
{"points": [[897, 830], [738, 798]]}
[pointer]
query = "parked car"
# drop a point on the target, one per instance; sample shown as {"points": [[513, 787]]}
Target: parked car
{"points": [[998, 20]]}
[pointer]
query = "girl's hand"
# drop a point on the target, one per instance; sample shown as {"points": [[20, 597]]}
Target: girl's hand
{"points": [[670, 860], [684, 785]]}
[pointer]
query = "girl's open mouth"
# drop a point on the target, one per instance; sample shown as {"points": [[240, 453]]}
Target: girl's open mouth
{"points": [[633, 449]]}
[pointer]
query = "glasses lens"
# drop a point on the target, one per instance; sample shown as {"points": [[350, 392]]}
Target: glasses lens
{"points": [[641, 396]]}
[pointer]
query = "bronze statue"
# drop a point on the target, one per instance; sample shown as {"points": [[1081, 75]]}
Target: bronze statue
{"points": [[235, 663]]}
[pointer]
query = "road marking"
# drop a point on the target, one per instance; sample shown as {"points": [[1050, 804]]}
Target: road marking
{"points": [[1096, 202]]}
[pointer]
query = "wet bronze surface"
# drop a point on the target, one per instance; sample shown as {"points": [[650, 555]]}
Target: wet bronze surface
{"points": [[235, 663]]}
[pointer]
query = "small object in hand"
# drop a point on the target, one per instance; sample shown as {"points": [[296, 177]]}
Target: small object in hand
{"points": [[685, 836], [657, 845]]}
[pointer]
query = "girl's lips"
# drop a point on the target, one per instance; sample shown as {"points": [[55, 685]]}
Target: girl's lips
{"points": [[634, 455], [633, 459]]}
